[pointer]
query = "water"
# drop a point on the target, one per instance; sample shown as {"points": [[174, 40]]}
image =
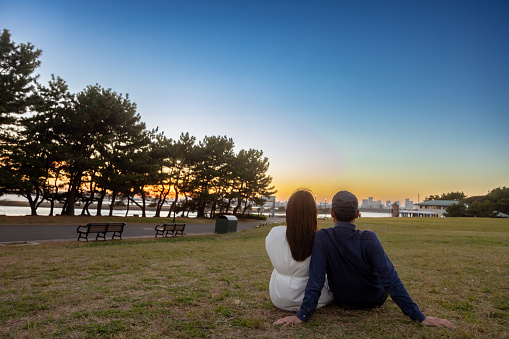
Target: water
{"points": [[375, 214], [44, 211], [25, 210]]}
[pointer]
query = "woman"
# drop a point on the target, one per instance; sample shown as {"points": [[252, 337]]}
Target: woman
{"points": [[289, 249]]}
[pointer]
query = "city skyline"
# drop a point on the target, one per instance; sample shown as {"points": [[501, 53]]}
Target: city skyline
{"points": [[392, 100], [363, 202]]}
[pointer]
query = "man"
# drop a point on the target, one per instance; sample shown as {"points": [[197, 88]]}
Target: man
{"points": [[359, 273]]}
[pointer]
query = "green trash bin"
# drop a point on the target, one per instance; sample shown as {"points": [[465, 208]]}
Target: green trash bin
{"points": [[226, 224]]}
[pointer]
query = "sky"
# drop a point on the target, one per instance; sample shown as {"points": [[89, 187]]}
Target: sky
{"points": [[386, 99]]}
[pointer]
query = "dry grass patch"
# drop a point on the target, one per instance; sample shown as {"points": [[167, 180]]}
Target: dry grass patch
{"points": [[217, 286]]}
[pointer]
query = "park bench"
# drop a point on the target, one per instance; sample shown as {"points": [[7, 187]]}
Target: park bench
{"points": [[101, 228], [170, 229]]}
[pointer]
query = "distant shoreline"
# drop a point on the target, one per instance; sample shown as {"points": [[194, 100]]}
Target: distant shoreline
{"points": [[106, 207], [375, 210], [59, 205]]}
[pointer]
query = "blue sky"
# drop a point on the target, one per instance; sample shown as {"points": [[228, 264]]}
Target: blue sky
{"points": [[389, 99]]}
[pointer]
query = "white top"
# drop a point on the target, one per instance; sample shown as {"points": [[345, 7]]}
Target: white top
{"points": [[289, 277]]}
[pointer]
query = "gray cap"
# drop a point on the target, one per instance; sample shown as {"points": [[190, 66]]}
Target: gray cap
{"points": [[345, 200]]}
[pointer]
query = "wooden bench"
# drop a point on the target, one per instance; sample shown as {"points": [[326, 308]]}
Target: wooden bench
{"points": [[171, 229], [101, 228]]}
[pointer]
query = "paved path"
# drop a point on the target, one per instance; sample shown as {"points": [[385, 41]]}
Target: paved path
{"points": [[35, 233]]}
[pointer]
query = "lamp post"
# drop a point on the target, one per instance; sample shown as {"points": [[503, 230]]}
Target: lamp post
{"points": [[325, 209], [390, 211]]}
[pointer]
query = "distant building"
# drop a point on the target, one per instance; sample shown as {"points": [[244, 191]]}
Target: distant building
{"points": [[270, 203], [365, 203], [370, 203], [430, 208], [324, 205], [281, 203], [409, 204], [395, 210]]}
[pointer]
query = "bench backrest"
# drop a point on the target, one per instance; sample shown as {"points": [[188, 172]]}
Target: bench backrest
{"points": [[116, 227], [169, 227], [179, 227], [97, 228], [100, 227]]}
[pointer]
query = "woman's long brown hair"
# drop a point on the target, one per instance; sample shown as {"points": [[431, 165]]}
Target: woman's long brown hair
{"points": [[301, 224]]}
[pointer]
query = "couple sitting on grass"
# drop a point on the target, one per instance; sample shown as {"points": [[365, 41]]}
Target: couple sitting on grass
{"points": [[347, 266]]}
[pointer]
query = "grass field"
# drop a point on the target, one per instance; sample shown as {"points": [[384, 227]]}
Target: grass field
{"points": [[217, 286]]}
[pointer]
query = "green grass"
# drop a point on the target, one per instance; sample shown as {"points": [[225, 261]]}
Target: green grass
{"points": [[217, 286]]}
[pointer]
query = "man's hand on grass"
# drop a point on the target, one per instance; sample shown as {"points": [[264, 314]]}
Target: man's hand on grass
{"points": [[434, 321], [288, 320]]}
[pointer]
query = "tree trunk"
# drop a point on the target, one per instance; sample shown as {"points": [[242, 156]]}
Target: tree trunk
{"points": [[64, 207], [90, 200], [112, 204], [85, 210], [158, 209], [143, 201], [100, 203], [71, 197], [245, 208], [128, 204], [236, 208], [213, 210], [142, 206], [33, 208], [227, 208], [161, 199], [172, 209], [200, 211], [174, 204]]}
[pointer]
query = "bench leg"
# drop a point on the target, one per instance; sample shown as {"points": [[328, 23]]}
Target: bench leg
{"points": [[119, 235], [83, 236], [101, 235]]}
